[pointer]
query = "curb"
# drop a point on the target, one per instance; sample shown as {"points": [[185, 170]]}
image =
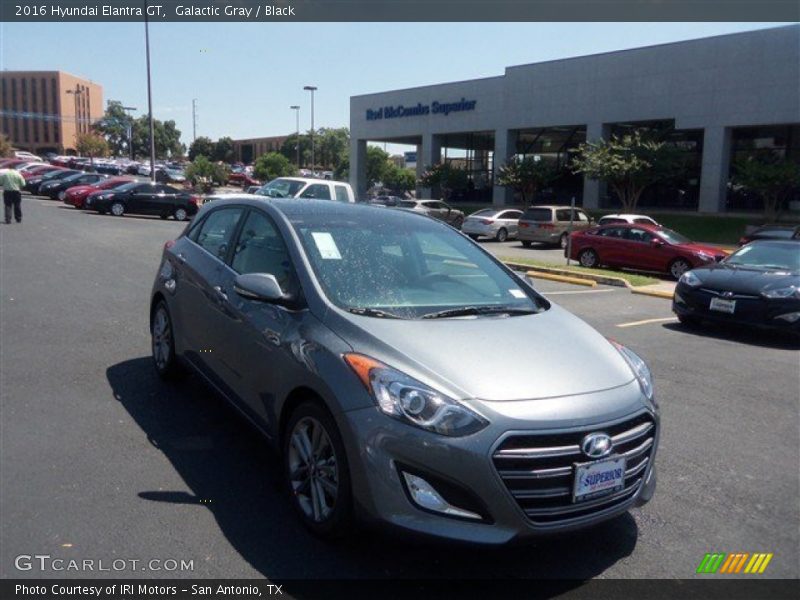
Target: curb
{"points": [[584, 279], [564, 278], [654, 293]]}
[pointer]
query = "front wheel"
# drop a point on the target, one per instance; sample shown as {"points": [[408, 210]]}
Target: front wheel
{"points": [[526, 244], [588, 258], [678, 267], [473, 236], [562, 241], [117, 209], [688, 320], [502, 235], [180, 214], [163, 343], [316, 469]]}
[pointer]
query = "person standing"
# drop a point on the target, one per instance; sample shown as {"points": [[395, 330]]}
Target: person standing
{"points": [[12, 183]]}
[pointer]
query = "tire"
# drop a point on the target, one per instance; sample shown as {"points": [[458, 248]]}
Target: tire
{"points": [[330, 518], [117, 209], [588, 258], [163, 216], [473, 236], [562, 241], [526, 244], [162, 343], [458, 223], [101, 211], [180, 214], [502, 235], [678, 267]]}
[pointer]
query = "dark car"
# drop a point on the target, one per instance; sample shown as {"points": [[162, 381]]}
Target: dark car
{"points": [[771, 232], [758, 286], [144, 199], [56, 189], [32, 184], [642, 246]]}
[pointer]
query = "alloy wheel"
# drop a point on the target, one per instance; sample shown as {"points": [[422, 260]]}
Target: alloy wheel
{"points": [[162, 339], [678, 268], [117, 209], [588, 259], [313, 469], [180, 214]]}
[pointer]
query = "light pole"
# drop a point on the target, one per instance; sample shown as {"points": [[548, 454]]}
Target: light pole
{"points": [[129, 110], [77, 92], [296, 110], [312, 89], [149, 97]]}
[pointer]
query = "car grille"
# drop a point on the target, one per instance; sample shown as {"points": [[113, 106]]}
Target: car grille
{"points": [[539, 471]]}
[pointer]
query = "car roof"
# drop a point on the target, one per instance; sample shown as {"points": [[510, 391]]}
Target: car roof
{"points": [[647, 226], [625, 216], [788, 243]]}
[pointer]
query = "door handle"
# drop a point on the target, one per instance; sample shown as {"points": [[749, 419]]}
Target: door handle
{"points": [[181, 258], [221, 293]]}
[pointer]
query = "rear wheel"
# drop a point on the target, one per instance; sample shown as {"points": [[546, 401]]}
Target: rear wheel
{"points": [[678, 267], [180, 214], [117, 209], [316, 469], [588, 258], [502, 235]]}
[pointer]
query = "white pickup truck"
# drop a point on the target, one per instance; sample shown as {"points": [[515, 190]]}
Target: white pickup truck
{"points": [[305, 187]]}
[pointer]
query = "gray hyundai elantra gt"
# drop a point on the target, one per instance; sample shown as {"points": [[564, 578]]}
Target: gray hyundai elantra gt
{"points": [[405, 375]]}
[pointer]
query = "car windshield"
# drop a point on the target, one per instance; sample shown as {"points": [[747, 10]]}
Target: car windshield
{"points": [[73, 177], [673, 237], [281, 188], [407, 268], [59, 174], [784, 257]]}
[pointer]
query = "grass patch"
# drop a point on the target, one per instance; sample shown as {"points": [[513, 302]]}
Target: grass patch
{"points": [[634, 279]]}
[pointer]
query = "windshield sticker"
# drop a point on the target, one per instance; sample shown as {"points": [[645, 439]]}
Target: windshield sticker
{"points": [[517, 293], [326, 245]]}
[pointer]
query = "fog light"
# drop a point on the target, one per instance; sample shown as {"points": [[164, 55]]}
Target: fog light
{"points": [[679, 299], [789, 317], [425, 496]]}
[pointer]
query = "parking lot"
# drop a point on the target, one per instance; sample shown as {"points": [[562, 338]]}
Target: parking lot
{"points": [[101, 459]]}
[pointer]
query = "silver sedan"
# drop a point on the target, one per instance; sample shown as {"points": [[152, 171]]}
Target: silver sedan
{"points": [[500, 224]]}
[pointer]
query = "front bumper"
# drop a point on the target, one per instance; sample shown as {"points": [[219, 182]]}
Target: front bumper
{"points": [[379, 448], [750, 311]]}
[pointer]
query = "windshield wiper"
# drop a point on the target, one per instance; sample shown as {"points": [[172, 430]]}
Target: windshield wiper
{"points": [[373, 312], [479, 310]]}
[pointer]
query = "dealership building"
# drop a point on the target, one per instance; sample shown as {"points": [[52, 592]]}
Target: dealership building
{"points": [[718, 98]]}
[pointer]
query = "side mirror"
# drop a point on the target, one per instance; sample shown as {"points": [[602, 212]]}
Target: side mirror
{"points": [[259, 286], [656, 243]]}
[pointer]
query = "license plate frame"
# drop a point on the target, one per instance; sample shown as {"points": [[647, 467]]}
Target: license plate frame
{"points": [[581, 494], [722, 305]]}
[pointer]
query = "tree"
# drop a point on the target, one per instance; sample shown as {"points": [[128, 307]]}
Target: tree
{"points": [[203, 173], [6, 149], [91, 145], [223, 150], [167, 138], [398, 179], [770, 178], [201, 146], [527, 175], [377, 161], [342, 172], [629, 164], [114, 126], [444, 176], [289, 149], [272, 165], [331, 146]]}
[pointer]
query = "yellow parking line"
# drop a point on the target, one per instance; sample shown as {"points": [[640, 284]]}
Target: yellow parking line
{"points": [[647, 322]]}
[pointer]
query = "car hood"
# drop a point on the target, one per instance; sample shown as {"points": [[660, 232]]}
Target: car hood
{"points": [[694, 247], [80, 189], [744, 280], [501, 358]]}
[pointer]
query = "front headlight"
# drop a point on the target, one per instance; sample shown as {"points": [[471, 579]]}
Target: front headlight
{"points": [[782, 293], [690, 279], [413, 402], [639, 368]]}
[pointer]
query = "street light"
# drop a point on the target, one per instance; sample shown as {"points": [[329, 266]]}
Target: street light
{"points": [[312, 89], [296, 110], [149, 96], [77, 92], [130, 109]]}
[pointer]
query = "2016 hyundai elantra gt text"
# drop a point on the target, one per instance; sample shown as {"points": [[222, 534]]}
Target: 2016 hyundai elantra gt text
{"points": [[405, 375]]}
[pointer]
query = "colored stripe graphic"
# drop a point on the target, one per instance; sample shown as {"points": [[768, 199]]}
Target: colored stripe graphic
{"points": [[711, 562], [734, 562], [759, 562]]}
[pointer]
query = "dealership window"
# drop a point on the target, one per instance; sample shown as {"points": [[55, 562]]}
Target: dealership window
{"points": [[774, 141]]}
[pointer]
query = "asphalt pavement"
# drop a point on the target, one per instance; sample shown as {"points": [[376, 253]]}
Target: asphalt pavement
{"points": [[101, 460]]}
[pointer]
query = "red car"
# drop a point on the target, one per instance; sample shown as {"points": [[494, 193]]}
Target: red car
{"points": [[242, 179], [39, 170], [641, 246], [76, 196]]}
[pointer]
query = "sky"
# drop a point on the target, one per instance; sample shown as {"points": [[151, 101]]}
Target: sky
{"points": [[246, 75]]}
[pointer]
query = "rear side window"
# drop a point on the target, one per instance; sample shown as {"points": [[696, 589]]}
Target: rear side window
{"points": [[341, 193], [563, 215], [538, 214], [644, 220], [510, 214], [319, 191], [613, 232], [216, 232], [611, 220]]}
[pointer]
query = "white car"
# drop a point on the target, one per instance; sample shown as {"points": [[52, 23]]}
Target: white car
{"points": [[27, 156], [306, 187], [625, 218], [493, 223]]}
